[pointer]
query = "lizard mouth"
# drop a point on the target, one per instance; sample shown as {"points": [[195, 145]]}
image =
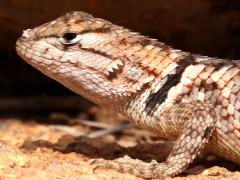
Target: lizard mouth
{"points": [[33, 52], [21, 48]]}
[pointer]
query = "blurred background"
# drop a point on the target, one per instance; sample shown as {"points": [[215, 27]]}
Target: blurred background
{"points": [[208, 27]]}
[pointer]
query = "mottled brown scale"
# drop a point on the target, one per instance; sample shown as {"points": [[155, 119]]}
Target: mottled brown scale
{"points": [[190, 99]]}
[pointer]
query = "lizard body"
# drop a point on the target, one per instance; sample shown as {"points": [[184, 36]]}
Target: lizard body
{"points": [[191, 99]]}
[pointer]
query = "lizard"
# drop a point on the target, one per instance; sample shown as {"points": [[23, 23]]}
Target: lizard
{"points": [[187, 98]]}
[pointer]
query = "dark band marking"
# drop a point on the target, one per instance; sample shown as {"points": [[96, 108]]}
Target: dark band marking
{"points": [[207, 132], [219, 66], [78, 21], [208, 87], [156, 99], [115, 74], [145, 42], [94, 51], [98, 30]]}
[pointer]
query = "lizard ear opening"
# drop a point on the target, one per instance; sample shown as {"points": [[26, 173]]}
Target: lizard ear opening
{"points": [[70, 38]]}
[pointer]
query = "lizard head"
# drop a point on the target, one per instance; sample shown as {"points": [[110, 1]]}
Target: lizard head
{"points": [[86, 54]]}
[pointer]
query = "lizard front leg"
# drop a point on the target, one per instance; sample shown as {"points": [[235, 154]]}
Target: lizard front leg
{"points": [[198, 124]]}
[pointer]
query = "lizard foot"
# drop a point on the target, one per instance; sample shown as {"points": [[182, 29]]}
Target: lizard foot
{"points": [[131, 166]]}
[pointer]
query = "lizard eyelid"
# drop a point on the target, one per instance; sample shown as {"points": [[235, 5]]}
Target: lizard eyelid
{"points": [[70, 38]]}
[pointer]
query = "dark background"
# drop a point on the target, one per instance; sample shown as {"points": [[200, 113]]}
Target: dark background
{"points": [[208, 27]]}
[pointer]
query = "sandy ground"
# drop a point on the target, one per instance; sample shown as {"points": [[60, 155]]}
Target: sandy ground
{"points": [[59, 146]]}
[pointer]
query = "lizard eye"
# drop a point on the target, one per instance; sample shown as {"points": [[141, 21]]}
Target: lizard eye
{"points": [[70, 38]]}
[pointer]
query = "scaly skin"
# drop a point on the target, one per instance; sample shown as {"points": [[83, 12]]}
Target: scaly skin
{"points": [[188, 98]]}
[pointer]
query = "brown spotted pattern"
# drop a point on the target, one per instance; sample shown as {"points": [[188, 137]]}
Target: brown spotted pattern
{"points": [[188, 98]]}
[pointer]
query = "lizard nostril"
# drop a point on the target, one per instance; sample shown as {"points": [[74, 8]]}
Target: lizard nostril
{"points": [[27, 35]]}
